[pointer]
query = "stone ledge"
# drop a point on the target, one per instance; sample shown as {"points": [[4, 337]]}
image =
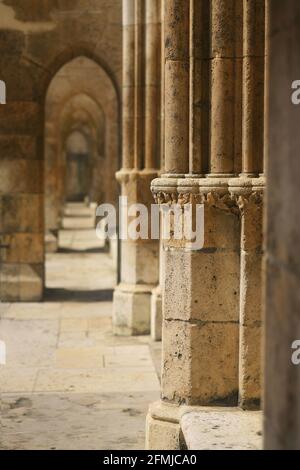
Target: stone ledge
{"points": [[222, 429]]}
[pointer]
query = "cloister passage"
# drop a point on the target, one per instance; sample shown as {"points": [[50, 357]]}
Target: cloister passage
{"points": [[65, 370], [69, 383], [81, 147], [174, 103]]}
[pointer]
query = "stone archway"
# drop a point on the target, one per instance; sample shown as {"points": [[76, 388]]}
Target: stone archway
{"points": [[80, 99], [22, 264], [82, 113]]}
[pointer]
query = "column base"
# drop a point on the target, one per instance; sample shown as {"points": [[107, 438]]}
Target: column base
{"points": [[21, 282], [156, 314], [163, 427], [131, 309], [178, 427], [51, 242]]}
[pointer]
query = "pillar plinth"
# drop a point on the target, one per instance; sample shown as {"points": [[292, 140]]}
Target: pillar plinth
{"points": [[200, 325], [162, 427], [139, 263]]}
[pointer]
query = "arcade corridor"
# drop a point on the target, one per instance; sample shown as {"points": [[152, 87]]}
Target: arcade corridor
{"points": [[65, 370]]}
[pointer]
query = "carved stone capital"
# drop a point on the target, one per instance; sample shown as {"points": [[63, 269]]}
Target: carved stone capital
{"points": [[165, 197], [212, 192], [248, 193], [231, 195], [249, 202], [125, 175], [220, 201]]}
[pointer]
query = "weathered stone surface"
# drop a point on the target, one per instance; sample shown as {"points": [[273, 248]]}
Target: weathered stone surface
{"points": [[200, 362], [282, 406], [156, 314], [161, 435], [222, 429], [85, 421], [132, 305], [139, 261]]}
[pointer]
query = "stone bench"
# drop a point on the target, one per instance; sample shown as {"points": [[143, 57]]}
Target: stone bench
{"points": [[222, 429]]}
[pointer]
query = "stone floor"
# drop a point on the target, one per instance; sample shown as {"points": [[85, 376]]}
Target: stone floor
{"points": [[68, 383]]}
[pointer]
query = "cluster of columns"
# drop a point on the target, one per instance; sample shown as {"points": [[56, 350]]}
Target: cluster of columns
{"points": [[139, 265], [214, 152]]}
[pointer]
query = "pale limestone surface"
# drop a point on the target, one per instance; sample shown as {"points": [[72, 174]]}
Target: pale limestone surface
{"points": [[213, 155], [222, 429], [65, 370]]}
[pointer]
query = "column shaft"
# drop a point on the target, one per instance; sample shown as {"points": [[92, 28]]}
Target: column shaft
{"points": [[162, 94], [128, 83], [139, 74], [266, 85], [253, 86], [152, 84], [199, 87], [226, 51], [176, 31]]}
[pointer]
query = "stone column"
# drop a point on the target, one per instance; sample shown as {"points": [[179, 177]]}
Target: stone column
{"points": [[156, 300], [139, 84], [248, 194], [128, 85], [200, 286], [226, 50], [199, 88], [282, 246], [176, 34], [152, 83], [139, 258], [253, 86], [52, 185], [176, 60], [21, 199], [248, 190], [162, 95], [266, 83]]}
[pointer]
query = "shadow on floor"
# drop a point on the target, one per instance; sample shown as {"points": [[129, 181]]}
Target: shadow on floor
{"points": [[80, 250], [63, 295]]}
